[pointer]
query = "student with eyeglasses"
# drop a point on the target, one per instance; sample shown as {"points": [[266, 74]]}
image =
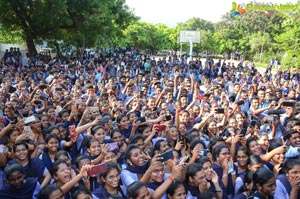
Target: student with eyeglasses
{"points": [[33, 167], [110, 187], [18, 186]]}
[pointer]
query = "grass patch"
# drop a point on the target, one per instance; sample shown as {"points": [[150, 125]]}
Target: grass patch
{"points": [[261, 65]]}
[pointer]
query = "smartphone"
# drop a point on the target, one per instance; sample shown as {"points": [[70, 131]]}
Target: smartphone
{"points": [[43, 86], [230, 168], [58, 89], [1, 148], [289, 104], [44, 96], [166, 155], [141, 92], [185, 159], [1, 113], [203, 152], [27, 131], [270, 118], [37, 102], [141, 120], [243, 131], [154, 109], [241, 102], [14, 120], [29, 119], [225, 132], [72, 131], [200, 97], [168, 117], [220, 110], [160, 127], [181, 138], [253, 122], [97, 169], [113, 146]]}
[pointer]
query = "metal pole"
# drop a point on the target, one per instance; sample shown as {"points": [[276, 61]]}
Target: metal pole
{"points": [[191, 50], [262, 44]]}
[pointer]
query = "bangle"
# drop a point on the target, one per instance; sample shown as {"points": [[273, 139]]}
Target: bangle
{"points": [[219, 190], [171, 178]]}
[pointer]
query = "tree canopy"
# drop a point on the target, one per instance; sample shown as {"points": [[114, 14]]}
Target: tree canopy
{"points": [[110, 23], [65, 20]]}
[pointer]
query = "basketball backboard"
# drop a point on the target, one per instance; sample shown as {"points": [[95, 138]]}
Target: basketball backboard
{"points": [[187, 35]]}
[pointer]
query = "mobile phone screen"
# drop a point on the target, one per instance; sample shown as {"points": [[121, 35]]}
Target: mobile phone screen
{"points": [[97, 169], [166, 155]]}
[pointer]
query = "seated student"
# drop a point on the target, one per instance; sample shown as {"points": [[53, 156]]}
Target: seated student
{"points": [[176, 191], [288, 182], [18, 186]]}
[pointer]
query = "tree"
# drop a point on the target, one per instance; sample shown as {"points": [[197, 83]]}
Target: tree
{"points": [[63, 19]]}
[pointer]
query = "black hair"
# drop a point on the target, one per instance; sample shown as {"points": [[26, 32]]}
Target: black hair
{"points": [[248, 178], [156, 147], [60, 153], [289, 164], [216, 151], [213, 141], [274, 144], [243, 149], [195, 142], [113, 131], [142, 128], [110, 166], [207, 195], [174, 186], [50, 136], [51, 128], [119, 118], [288, 134], [95, 128], [13, 168], [18, 143], [79, 158], [192, 170], [135, 139], [91, 141], [127, 153], [134, 188], [55, 166], [261, 176], [203, 160], [48, 190], [254, 159], [81, 189], [249, 140]]}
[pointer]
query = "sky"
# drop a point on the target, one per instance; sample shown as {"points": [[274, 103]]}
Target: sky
{"points": [[171, 12]]}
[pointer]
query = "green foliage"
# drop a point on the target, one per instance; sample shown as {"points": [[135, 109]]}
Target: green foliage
{"points": [[76, 22]]}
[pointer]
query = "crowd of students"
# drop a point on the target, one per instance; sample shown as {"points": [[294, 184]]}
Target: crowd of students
{"points": [[126, 125]]}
